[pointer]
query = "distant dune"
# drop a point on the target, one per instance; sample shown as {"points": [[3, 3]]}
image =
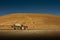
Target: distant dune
{"points": [[33, 21]]}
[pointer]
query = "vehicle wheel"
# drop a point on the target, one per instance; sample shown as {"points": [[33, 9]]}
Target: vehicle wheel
{"points": [[14, 28]]}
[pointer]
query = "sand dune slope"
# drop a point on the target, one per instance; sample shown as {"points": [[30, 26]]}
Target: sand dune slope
{"points": [[33, 21]]}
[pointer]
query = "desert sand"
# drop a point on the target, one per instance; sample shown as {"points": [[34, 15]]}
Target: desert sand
{"points": [[38, 25], [33, 21]]}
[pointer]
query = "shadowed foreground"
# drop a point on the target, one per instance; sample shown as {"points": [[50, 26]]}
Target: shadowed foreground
{"points": [[29, 32], [24, 34]]}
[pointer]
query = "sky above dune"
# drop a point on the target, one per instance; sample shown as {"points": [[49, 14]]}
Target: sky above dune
{"points": [[30, 6]]}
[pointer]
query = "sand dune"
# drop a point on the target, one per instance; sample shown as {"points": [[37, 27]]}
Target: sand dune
{"points": [[33, 21]]}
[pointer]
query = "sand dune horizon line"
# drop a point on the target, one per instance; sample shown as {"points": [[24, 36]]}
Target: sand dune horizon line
{"points": [[30, 14]]}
